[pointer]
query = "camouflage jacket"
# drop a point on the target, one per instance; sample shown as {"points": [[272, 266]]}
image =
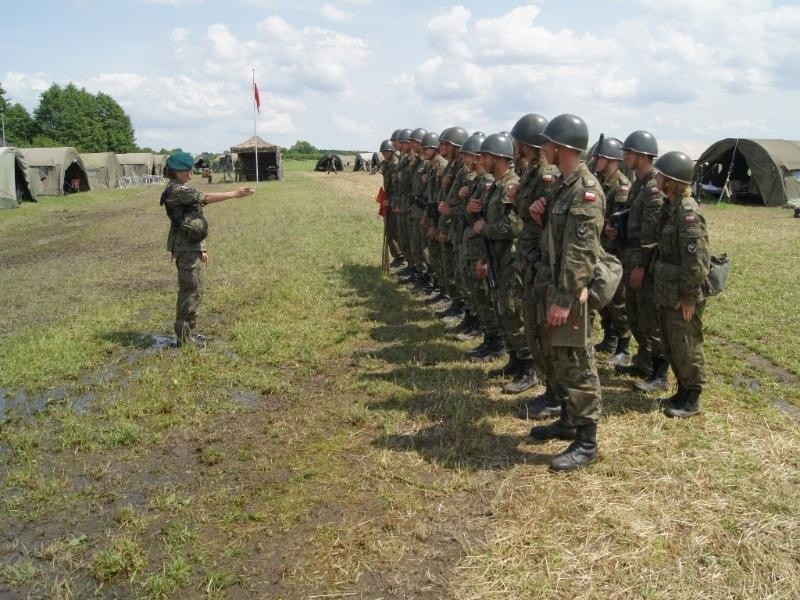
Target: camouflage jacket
{"points": [[645, 201], [541, 180], [389, 171], [682, 258], [404, 175], [502, 221], [182, 198], [616, 188], [419, 187], [473, 242]]}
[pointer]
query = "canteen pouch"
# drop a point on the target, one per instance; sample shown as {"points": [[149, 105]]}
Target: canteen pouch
{"points": [[718, 273]]}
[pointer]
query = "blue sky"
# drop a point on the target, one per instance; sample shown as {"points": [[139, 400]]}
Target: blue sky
{"points": [[345, 73]]}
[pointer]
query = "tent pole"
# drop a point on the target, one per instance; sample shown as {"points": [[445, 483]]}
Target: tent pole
{"points": [[255, 132], [728, 176]]}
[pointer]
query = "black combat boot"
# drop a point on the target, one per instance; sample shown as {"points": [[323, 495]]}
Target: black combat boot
{"points": [[183, 333], [674, 400], [622, 353], [507, 369], [471, 330], [407, 274], [581, 452], [422, 282], [480, 348], [543, 406], [398, 263], [431, 290], [631, 370], [524, 379], [464, 324], [609, 343], [495, 349], [657, 380], [688, 406], [559, 429], [453, 312]]}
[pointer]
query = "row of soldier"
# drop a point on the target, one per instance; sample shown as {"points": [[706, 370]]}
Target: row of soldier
{"points": [[505, 233]]}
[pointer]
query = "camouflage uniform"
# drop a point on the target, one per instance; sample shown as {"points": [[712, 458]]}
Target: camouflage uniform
{"points": [[416, 212], [451, 226], [389, 171], [502, 227], [575, 221], [614, 316], [436, 170], [645, 201], [538, 181], [188, 260], [404, 205], [681, 266]]}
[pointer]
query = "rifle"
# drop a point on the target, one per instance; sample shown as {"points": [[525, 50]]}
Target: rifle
{"points": [[490, 275], [619, 221]]}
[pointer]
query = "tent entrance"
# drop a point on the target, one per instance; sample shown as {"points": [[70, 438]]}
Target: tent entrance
{"points": [[742, 187], [75, 180], [22, 189]]}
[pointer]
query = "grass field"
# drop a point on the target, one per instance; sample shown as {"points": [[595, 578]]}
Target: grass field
{"points": [[330, 442]]}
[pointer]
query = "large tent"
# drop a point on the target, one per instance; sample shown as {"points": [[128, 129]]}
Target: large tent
{"points": [[15, 183], [330, 162], [366, 161], [56, 171], [137, 164], [159, 162], [270, 162], [762, 170], [103, 169]]}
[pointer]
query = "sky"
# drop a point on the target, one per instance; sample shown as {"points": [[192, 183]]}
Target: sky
{"points": [[346, 73]]}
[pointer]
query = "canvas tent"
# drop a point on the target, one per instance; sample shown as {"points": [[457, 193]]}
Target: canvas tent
{"points": [[365, 161], [15, 183], [765, 171], [137, 164], [270, 162], [331, 162], [103, 169], [159, 162], [56, 171]]}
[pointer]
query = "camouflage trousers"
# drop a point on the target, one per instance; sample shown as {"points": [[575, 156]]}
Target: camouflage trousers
{"points": [[683, 345], [393, 235], [448, 280], [417, 243], [509, 297], [643, 319], [614, 317], [403, 236], [190, 291], [434, 258], [460, 270], [573, 376], [481, 299]]}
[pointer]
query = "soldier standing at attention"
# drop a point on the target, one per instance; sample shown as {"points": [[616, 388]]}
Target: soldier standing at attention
{"points": [[388, 168], [403, 190], [501, 227], [570, 251], [186, 240], [417, 209], [682, 264], [616, 333], [645, 201]]}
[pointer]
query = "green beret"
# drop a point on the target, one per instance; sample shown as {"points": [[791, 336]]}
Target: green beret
{"points": [[180, 161]]}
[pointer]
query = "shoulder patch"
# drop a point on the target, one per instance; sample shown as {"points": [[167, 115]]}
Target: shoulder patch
{"points": [[688, 206], [690, 218], [548, 178], [654, 191], [624, 189], [589, 196]]}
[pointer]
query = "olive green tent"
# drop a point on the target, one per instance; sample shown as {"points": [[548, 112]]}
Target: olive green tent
{"points": [[159, 162], [363, 161], [765, 171], [270, 159], [56, 171], [103, 169], [15, 183], [137, 164], [330, 162]]}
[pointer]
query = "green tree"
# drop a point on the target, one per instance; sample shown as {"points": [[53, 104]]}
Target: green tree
{"points": [[119, 135], [302, 147], [19, 125]]}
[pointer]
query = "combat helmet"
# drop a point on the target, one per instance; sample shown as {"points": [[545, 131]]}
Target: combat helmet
{"points": [[430, 140], [417, 134], [569, 131], [454, 135], [676, 165], [472, 145], [395, 133], [404, 135], [528, 130], [610, 148], [498, 144], [387, 146], [642, 142]]}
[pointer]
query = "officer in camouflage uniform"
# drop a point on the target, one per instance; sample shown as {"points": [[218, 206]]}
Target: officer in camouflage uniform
{"points": [[570, 252], [388, 169], [644, 201], [682, 264], [616, 333], [539, 179], [181, 202], [501, 227], [475, 259]]}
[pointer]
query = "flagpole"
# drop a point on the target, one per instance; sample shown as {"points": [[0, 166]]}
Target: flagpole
{"points": [[255, 131]]}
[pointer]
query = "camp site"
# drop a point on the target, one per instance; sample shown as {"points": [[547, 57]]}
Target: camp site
{"points": [[321, 430]]}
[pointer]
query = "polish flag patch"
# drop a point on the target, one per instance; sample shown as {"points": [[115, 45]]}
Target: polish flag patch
{"points": [[654, 191], [547, 178], [624, 189], [690, 219], [590, 196]]}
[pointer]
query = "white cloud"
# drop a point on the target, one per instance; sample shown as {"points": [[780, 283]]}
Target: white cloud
{"points": [[355, 127], [330, 12], [24, 88], [176, 3]]}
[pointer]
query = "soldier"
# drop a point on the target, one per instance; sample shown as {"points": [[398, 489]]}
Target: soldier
{"points": [[574, 221], [186, 239], [238, 170], [539, 179], [403, 187], [682, 264], [501, 227], [417, 209], [644, 201], [434, 168], [616, 333], [389, 169]]}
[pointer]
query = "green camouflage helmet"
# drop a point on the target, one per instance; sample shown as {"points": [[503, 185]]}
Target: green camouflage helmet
{"points": [[676, 165], [395, 133], [472, 145], [498, 144], [194, 227], [455, 136], [569, 131], [418, 134], [404, 135], [430, 140], [642, 142], [528, 130], [387, 146], [610, 148]]}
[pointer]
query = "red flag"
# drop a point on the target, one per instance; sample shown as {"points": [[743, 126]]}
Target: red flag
{"points": [[257, 98], [383, 199]]}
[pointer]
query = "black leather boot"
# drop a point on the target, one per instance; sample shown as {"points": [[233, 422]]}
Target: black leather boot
{"points": [[507, 369], [524, 379], [557, 430], [581, 452], [543, 406], [496, 348], [657, 380], [609, 343], [687, 406]]}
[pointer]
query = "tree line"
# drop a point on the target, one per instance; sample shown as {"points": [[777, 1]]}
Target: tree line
{"points": [[69, 116]]}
